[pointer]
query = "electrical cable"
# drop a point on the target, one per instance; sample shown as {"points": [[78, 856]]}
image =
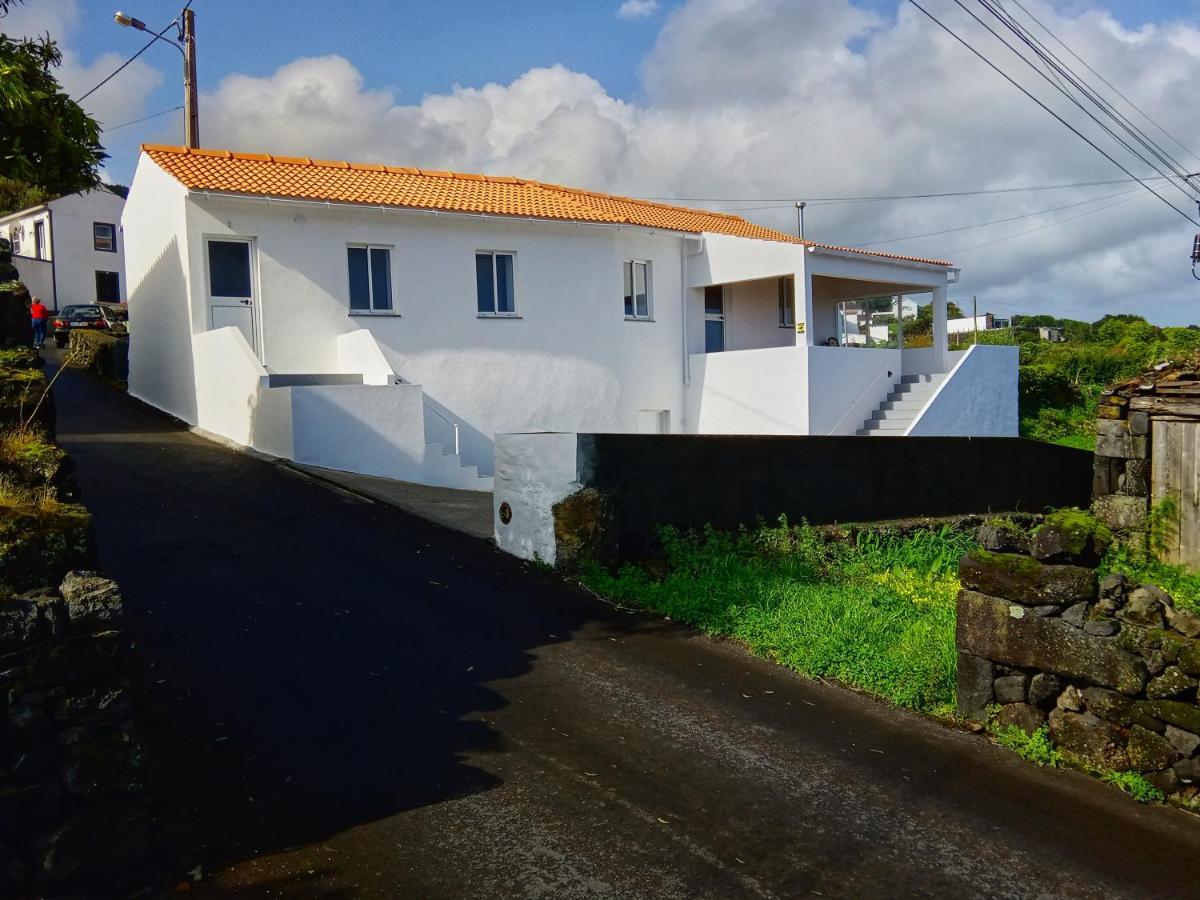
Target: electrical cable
{"points": [[1047, 109], [142, 119]]}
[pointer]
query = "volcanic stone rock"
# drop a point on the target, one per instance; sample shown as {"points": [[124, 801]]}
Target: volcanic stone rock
{"points": [[1022, 715], [1184, 621], [1025, 581], [1070, 699], [1099, 742], [995, 630], [1171, 683], [91, 599], [1173, 712], [973, 687], [1166, 781], [1100, 627], [1149, 752], [1113, 439], [1120, 512], [1183, 741], [1076, 615], [1046, 610], [1144, 607], [1188, 657], [1156, 662], [21, 624], [1070, 536], [1010, 688], [1118, 708], [1114, 588], [1044, 688], [1188, 770], [1001, 535]]}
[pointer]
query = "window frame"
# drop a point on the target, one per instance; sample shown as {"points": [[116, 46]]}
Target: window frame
{"points": [[112, 239], [371, 310], [39, 239], [648, 267], [116, 276], [496, 314], [787, 305], [250, 251]]}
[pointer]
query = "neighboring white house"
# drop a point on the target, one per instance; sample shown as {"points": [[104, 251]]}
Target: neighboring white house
{"points": [[70, 250], [392, 321], [969, 324]]}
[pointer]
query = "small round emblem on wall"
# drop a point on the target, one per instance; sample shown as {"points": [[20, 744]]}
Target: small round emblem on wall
{"points": [[505, 513]]}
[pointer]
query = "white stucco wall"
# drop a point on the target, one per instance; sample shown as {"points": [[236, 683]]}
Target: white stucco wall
{"points": [[749, 392], [977, 399], [846, 384], [569, 361], [228, 381], [76, 259], [752, 316], [533, 472], [153, 227]]}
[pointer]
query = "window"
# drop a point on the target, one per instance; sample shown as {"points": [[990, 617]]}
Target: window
{"points": [[108, 287], [229, 269], [14, 237], [714, 318], [787, 303], [370, 278], [637, 289], [39, 240], [104, 237], [494, 283]]}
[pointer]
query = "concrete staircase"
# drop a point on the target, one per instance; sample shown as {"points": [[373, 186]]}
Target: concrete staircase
{"points": [[445, 468], [902, 405]]}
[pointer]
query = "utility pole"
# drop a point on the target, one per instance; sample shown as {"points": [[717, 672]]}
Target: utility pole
{"points": [[975, 315], [191, 112], [800, 204]]}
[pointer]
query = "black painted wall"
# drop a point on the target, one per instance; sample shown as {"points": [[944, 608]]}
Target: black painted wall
{"points": [[730, 480]]}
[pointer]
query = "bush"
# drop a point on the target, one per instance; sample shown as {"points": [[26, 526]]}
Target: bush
{"points": [[100, 352]]}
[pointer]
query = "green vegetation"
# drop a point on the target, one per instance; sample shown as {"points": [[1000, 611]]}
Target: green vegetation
{"points": [[876, 613], [1134, 785], [1182, 583], [1079, 528], [1060, 383], [1036, 748]]}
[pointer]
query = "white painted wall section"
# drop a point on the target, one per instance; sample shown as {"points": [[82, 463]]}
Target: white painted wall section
{"points": [[358, 353], [845, 385], [533, 473], [977, 399]]}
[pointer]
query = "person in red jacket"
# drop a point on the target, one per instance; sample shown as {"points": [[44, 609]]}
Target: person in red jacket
{"points": [[40, 315]]}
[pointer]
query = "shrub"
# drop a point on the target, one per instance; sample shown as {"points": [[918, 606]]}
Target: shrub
{"points": [[1134, 785], [1036, 748], [105, 354]]}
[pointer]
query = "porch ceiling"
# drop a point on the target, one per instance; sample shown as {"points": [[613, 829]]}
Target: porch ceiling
{"points": [[830, 289]]}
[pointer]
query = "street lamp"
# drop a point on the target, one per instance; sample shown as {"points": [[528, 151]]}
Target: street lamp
{"points": [[187, 48]]}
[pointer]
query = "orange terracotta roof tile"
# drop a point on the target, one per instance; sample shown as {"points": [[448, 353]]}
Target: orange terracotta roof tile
{"points": [[261, 174]]}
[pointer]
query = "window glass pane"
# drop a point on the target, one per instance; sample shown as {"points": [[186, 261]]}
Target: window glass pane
{"points": [[714, 336], [787, 307], [229, 268], [639, 289], [504, 283], [484, 289], [381, 277], [628, 288], [360, 288], [102, 236], [714, 300]]}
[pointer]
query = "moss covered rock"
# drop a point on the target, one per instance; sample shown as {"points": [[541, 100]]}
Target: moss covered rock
{"points": [[1026, 581], [1071, 536]]}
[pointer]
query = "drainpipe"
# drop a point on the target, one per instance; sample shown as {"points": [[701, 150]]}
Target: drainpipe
{"points": [[53, 269]]}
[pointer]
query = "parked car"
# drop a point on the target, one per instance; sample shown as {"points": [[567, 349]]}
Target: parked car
{"points": [[76, 318], [117, 317]]}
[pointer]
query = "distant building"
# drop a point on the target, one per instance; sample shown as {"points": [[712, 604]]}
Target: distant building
{"points": [[69, 250], [968, 324], [1051, 333]]}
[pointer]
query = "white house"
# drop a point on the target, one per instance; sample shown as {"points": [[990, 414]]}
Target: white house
{"points": [[70, 250], [392, 320]]}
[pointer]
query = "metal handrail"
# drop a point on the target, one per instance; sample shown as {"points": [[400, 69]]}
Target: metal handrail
{"points": [[447, 420], [859, 396]]}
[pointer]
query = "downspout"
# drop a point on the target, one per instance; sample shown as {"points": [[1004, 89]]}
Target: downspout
{"points": [[53, 268], [683, 300]]}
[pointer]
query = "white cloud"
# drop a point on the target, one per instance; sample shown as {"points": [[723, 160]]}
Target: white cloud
{"points": [[637, 9], [748, 98], [121, 100]]}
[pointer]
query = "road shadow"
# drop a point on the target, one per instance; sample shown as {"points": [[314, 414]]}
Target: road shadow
{"points": [[308, 661]]}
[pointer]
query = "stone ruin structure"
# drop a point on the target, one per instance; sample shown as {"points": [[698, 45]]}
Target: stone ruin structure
{"points": [[1111, 668]]}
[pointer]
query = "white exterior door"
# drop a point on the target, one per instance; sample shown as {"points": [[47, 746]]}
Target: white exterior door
{"points": [[231, 294]]}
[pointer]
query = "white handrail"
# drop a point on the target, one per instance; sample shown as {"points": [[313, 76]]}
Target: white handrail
{"points": [[853, 403], [448, 421]]}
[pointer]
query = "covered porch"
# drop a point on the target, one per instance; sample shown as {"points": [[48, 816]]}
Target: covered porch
{"points": [[809, 339]]}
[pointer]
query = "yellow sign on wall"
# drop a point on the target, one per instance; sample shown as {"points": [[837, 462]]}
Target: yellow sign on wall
{"points": [[799, 328]]}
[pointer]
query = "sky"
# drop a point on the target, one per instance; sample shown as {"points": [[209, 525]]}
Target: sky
{"points": [[741, 105]]}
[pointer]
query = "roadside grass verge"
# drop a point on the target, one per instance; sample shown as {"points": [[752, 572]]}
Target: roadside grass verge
{"points": [[876, 613]]}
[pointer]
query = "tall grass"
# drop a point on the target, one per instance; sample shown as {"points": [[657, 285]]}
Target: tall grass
{"points": [[877, 613]]}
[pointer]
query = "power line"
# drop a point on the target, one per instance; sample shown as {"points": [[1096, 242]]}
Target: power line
{"points": [[1060, 70], [113, 74], [1084, 62], [1009, 237], [779, 202], [1040, 212], [1063, 121], [142, 119]]}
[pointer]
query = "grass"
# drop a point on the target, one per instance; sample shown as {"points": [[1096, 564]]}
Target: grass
{"points": [[876, 613], [1134, 785], [1182, 583], [1036, 748]]}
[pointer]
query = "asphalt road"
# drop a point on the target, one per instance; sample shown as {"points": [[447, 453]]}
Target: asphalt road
{"points": [[348, 702]]}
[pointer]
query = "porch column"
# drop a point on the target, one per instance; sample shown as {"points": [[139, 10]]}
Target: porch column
{"points": [[939, 324], [803, 305]]}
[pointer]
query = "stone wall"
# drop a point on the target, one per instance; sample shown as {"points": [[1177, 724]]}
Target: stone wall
{"points": [[1121, 470], [72, 813], [1110, 667]]}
